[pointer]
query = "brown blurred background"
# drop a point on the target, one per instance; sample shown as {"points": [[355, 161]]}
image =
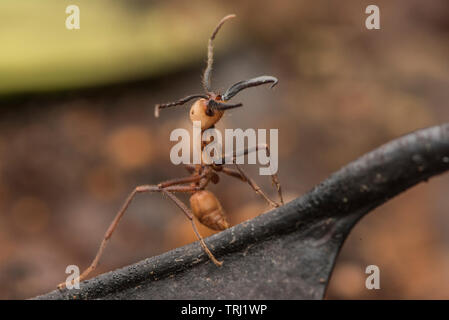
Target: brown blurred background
{"points": [[77, 131]]}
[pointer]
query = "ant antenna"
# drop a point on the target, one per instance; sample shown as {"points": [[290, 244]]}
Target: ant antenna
{"points": [[210, 53], [177, 103]]}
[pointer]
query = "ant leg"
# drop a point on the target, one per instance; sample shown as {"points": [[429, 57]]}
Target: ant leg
{"points": [[251, 182], [274, 177], [233, 173], [276, 183], [107, 236], [114, 223], [189, 215], [192, 178], [190, 168]]}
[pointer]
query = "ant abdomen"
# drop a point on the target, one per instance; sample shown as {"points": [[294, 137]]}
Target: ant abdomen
{"points": [[207, 209]]}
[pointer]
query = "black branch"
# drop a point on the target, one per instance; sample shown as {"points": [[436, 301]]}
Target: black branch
{"points": [[287, 253]]}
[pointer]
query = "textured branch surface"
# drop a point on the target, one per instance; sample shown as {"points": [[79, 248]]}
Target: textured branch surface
{"points": [[287, 253]]}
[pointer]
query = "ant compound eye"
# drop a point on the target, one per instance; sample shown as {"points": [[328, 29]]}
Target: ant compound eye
{"points": [[209, 112]]}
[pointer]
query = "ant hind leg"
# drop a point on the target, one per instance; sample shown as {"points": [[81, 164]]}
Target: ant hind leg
{"points": [[165, 187]]}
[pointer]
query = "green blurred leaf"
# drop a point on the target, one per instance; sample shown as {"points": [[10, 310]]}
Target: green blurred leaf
{"points": [[116, 42]]}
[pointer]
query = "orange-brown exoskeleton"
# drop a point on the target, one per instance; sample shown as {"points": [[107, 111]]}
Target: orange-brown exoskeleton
{"points": [[205, 207]]}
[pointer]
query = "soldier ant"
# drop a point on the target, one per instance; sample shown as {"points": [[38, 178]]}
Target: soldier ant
{"points": [[208, 109]]}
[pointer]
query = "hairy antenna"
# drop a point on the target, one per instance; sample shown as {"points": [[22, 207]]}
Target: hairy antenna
{"points": [[210, 53], [177, 103]]}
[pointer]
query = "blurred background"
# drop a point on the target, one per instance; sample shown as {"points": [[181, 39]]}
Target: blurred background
{"points": [[77, 131]]}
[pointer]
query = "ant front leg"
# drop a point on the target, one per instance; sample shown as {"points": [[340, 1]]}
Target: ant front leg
{"points": [[240, 174], [166, 187], [274, 177]]}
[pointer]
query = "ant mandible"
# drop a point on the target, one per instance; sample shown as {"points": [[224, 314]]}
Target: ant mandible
{"points": [[208, 109]]}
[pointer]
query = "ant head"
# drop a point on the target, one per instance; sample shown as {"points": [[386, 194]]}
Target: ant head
{"points": [[210, 107], [200, 111], [209, 110]]}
